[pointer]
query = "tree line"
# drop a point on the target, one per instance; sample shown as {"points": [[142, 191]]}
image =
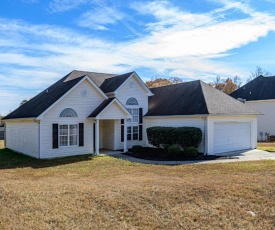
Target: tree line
{"points": [[226, 85]]}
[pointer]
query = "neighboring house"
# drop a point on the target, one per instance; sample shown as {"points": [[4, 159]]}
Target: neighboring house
{"points": [[260, 95], [2, 129], [85, 111], [2, 132]]}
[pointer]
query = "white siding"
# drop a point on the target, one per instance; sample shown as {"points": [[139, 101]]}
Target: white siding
{"points": [[114, 111], [266, 122], [83, 108], [212, 120], [177, 122], [23, 137], [123, 94]]}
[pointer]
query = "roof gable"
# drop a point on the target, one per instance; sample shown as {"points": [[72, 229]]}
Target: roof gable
{"points": [[139, 81], [45, 100], [38, 104], [261, 88], [110, 106]]}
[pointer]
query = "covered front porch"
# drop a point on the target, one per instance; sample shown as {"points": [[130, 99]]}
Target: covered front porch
{"points": [[109, 129]]}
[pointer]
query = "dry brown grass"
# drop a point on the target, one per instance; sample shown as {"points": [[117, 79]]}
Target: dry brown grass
{"points": [[1, 144], [107, 193], [267, 146]]}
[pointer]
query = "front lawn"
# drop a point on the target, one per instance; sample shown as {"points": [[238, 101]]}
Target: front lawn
{"points": [[106, 193], [267, 146]]}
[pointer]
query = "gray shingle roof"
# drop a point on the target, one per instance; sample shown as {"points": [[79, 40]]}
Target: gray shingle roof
{"points": [[261, 88], [101, 107], [111, 84], [195, 97]]}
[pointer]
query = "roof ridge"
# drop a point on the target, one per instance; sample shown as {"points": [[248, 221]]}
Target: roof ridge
{"points": [[174, 84], [201, 85]]}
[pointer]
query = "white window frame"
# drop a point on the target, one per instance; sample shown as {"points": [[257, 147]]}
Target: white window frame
{"points": [[132, 132], [134, 121], [68, 135]]}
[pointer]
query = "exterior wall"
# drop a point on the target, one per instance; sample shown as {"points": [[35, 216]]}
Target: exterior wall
{"points": [[112, 112], [2, 133], [177, 121], [83, 107], [211, 120], [108, 134], [266, 122], [23, 137], [123, 94]]}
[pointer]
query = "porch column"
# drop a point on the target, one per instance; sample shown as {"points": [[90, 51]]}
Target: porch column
{"points": [[125, 136], [96, 137]]}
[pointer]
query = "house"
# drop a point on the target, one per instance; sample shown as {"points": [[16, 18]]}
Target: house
{"points": [[85, 111], [2, 129], [260, 95]]}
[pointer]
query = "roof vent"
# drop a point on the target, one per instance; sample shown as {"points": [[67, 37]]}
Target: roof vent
{"points": [[250, 92], [241, 100], [47, 91]]}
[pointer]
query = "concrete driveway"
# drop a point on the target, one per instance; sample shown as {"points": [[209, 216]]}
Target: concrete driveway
{"points": [[246, 155]]}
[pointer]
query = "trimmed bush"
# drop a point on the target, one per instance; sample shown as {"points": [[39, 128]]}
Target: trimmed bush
{"points": [[174, 150], [190, 152], [137, 148], [166, 147], [182, 136]]}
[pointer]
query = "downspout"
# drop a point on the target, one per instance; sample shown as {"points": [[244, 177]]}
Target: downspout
{"points": [[204, 134]]}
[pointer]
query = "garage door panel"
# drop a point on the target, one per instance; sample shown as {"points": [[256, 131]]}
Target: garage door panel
{"points": [[231, 137]]}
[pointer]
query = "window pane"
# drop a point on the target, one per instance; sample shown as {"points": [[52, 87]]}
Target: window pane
{"points": [[63, 129], [73, 140], [130, 111], [73, 129], [135, 136], [129, 137], [129, 129], [135, 118], [135, 129], [63, 140], [135, 112]]}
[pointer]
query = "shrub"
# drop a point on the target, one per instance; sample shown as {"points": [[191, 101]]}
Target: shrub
{"points": [[182, 136], [166, 147], [190, 152], [137, 148], [174, 150]]}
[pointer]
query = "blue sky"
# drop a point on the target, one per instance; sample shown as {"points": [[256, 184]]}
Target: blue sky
{"points": [[41, 41]]}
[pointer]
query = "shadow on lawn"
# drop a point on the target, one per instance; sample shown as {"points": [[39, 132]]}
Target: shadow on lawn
{"points": [[11, 160]]}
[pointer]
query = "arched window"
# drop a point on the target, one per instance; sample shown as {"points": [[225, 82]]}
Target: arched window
{"points": [[68, 113], [132, 101]]}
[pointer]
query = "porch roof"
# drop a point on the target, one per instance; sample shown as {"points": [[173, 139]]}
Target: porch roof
{"points": [[104, 106]]}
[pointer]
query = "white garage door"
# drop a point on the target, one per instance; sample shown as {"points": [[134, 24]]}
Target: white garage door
{"points": [[231, 137]]}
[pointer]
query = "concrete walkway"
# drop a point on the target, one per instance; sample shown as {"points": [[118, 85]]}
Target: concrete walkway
{"points": [[249, 155]]}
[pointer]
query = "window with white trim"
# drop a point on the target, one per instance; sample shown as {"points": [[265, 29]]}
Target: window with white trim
{"points": [[132, 133], [68, 135], [132, 123], [68, 113]]}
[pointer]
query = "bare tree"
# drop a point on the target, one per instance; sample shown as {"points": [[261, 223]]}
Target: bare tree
{"points": [[258, 72], [237, 81]]}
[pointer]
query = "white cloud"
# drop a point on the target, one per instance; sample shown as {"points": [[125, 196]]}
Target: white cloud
{"points": [[177, 43], [56, 6], [97, 18]]}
